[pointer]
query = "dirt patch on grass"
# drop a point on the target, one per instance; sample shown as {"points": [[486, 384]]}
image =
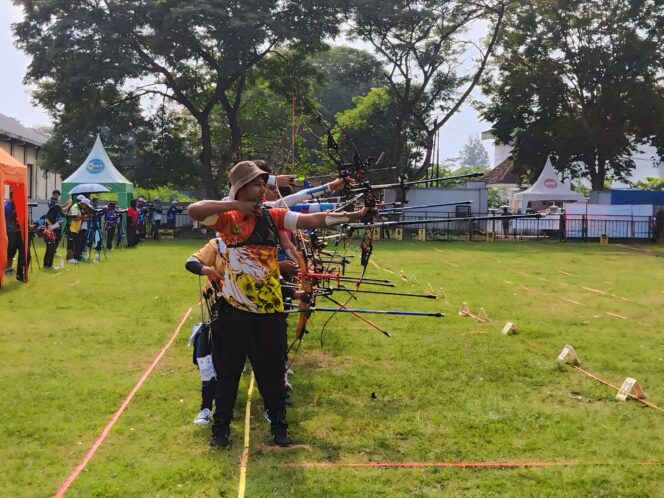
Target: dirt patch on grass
{"points": [[320, 359]]}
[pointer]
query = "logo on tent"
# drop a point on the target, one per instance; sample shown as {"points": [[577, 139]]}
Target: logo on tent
{"points": [[550, 183], [95, 166]]}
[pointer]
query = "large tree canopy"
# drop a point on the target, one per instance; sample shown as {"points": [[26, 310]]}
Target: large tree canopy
{"points": [[423, 45], [196, 54], [368, 128], [345, 73], [581, 81]]}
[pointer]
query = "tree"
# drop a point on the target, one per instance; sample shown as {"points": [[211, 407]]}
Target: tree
{"points": [[422, 45], [345, 73], [650, 183], [474, 154], [194, 54], [75, 131], [579, 81], [161, 154], [368, 127]]}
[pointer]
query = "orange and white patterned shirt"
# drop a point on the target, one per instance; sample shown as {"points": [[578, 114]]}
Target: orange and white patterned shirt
{"points": [[251, 272]]}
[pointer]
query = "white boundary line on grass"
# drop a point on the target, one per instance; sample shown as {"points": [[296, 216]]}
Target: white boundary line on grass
{"points": [[244, 458], [107, 429]]}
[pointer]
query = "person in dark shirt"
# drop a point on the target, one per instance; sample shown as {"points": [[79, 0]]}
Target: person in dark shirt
{"points": [[15, 243], [170, 215], [51, 224], [55, 198], [110, 224]]}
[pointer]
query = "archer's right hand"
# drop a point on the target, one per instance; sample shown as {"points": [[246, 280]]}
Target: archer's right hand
{"points": [[211, 272], [248, 208]]}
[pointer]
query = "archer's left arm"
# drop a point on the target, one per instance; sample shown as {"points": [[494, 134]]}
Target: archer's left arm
{"points": [[322, 220]]}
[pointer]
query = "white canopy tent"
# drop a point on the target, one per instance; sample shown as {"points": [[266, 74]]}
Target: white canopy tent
{"points": [[548, 187], [98, 169]]}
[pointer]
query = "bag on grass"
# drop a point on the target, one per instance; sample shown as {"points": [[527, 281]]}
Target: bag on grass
{"points": [[203, 353]]}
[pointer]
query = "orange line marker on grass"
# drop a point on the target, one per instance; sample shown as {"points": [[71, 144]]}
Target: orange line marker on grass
{"points": [[429, 464], [107, 429], [469, 464]]}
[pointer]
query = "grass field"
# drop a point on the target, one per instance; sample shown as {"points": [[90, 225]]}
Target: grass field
{"points": [[73, 344]]}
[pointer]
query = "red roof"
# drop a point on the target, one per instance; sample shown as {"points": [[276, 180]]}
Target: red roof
{"points": [[502, 174]]}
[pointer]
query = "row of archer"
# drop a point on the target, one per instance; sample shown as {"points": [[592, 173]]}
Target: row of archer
{"points": [[245, 303], [309, 270], [358, 192]]}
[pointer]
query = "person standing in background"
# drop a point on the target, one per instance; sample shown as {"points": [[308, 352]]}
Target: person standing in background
{"points": [[156, 218], [132, 224], [110, 224], [170, 214], [51, 224]]}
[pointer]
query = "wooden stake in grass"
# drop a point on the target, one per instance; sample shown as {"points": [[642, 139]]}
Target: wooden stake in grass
{"points": [[568, 355], [465, 311], [630, 388], [509, 328]]}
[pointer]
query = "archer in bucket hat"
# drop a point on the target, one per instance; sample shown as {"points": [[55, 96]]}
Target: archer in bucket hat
{"points": [[243, 261], [242, 174]]}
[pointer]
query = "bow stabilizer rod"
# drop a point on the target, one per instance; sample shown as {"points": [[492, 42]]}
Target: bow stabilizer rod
{"points": [[422, 206], [440, 220], [436, 314]]}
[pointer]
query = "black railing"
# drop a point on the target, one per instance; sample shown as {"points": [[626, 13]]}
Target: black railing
{"points": [[550, 227]]}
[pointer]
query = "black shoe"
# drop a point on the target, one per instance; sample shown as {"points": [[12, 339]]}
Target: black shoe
{"points": [[220, 441], [278, 426], [280, 438]]}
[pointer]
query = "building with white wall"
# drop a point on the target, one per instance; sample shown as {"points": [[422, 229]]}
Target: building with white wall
{"points": [[24, 144]]}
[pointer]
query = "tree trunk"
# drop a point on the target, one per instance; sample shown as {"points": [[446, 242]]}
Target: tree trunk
{"points": [[212, 190], [427, 157], [598, 175], [231, 152]]}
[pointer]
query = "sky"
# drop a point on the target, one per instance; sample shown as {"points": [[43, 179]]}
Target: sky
{"points": [[15, 99]]}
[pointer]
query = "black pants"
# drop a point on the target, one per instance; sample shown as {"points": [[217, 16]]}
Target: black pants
{"points": [[156, 224], [236, 336], [50, 252], [14, 248], [208, 392], [132, 236], [73, 244], [58, 236], [110, 232]]}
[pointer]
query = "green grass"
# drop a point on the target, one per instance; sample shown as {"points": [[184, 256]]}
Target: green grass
{"points": [[450, 389]]}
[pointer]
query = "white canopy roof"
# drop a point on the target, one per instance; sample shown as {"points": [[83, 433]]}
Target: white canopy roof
{"points": [[548, 187], [97, 168]]}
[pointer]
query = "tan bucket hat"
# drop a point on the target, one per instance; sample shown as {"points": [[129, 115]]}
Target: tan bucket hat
{"points": [[243, 173]]}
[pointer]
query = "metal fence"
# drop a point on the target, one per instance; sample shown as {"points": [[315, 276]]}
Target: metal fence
{"points": [[582, 228]]}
